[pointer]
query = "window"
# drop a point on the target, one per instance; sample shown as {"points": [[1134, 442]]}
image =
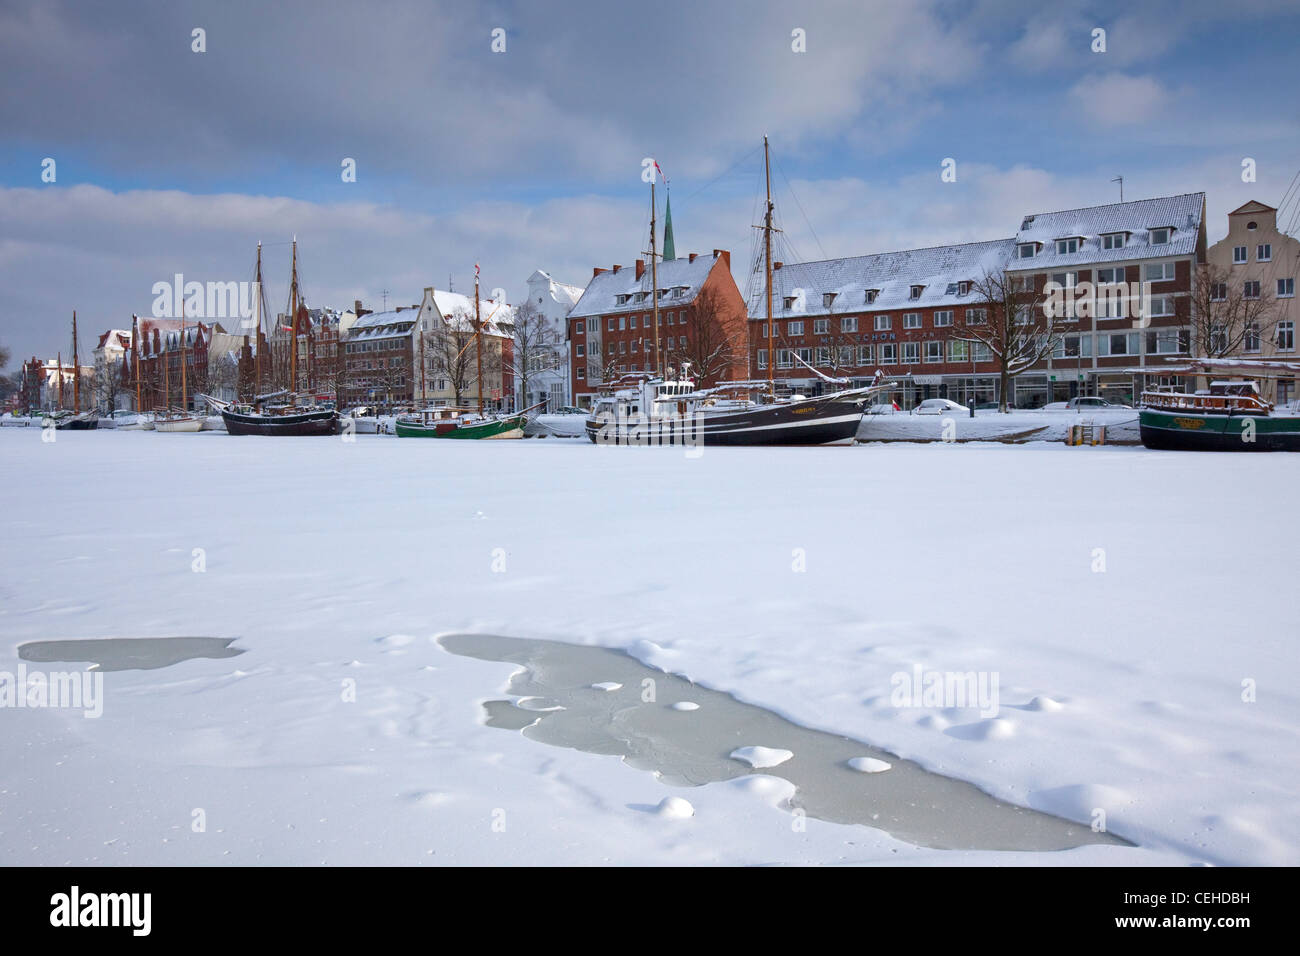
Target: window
{"points": [[622, 323], [911, 353], [794, 328], [593, 324], [1285, 288], [1238, 255], [849, 324], [582, 372], [1118, 343], [911, 320], [622, 348], [888, 353], [977, 316], [823, 356], [789, 302], [1251, 289], [1110, 276], [934, 351], [1024, 315], [846, 355], [963, 288], [981, 352], [1162, 305], [952, 289], [1160, 237], [882, 323], [784, 358], [805, 356], [1026, 250], [1159, 272], [827, 299], [579, 349], [958, 351], [871, 295], [821, 326], [943, 318], [1113, 240], [865, 355], [578, 327], [1218, 291], [1163, 342], [1065, 247], [672, 318], [1066, 280], [636, 343], [1264, 252], [631, 323], [762, 358], [611, 348], [915, 292], [1218, 339], [611, 323], [1251, 340], [1286, 336]]}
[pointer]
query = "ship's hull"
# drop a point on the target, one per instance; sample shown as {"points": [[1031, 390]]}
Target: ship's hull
{"points": [[321, 422], [832, 420], [1191, 431], [178, 425], [512, 427], [75, 423]]}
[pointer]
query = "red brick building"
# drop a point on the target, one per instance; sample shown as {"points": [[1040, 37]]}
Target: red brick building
{"points": [[610, 331]]}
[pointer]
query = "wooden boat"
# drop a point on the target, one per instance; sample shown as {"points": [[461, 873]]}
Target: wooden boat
{"points": [[460, 423], [64, 420], [1232, 417]]}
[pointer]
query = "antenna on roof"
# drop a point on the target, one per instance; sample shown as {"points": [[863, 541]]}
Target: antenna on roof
{"points": [[1120, 180], [384, 293]]}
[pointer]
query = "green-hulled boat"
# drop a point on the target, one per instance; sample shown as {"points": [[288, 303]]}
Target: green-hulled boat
{"points": [[1230, 416], [457, 423]]}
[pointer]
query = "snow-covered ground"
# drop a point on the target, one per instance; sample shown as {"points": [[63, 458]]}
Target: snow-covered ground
{"points": [[1118, 597]]}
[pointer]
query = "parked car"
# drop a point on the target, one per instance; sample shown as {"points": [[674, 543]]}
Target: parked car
{"points": [[570, 410], [940, 406], [1084, 403], [885, 408]]}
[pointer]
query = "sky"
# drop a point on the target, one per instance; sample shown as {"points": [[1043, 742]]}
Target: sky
{"points": [[512, 135]]}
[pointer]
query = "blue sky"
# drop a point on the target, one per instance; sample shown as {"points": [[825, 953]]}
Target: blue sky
{"points": [[174, 161]]}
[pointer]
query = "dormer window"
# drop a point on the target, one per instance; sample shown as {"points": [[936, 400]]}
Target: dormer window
{"points": [[871, 295], [1160, 237], [789, 301], [952, 289], [1114, 240], [1026, 250], [1068, 246], [963, 288], [916, 292], [827, 299]]}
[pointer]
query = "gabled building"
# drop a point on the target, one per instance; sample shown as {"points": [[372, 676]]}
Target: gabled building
{"points": [[549, 374], [701, 321], [1261, 262]]}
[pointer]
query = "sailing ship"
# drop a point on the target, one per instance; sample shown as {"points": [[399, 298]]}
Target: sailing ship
{"points": [[453, 422], [74, 419], [1230, 416], [277, 412], [659, 409], [179, 420]]}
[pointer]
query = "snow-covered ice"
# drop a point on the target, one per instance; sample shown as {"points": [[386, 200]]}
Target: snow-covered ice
{"points": [[1133, 603], [762, 757]]}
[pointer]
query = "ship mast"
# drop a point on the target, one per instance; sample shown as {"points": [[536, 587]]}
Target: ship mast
{"points": [[293, 321], [135, 358], [654, 279], [167, 373], [185, 400], [257, 334], [767, 258], [60, 361], [76, 367], [478, 335]]}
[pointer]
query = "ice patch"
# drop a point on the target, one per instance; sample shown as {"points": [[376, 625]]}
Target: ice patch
{"points": [[607, 685]]}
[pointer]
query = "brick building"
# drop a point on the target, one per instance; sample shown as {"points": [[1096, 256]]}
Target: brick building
{"points": [[904, 312], [701, 320]]}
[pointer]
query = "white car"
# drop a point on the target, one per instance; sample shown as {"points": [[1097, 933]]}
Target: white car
{"points": [[940, 406]]}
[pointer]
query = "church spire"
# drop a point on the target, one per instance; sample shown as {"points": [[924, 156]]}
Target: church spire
{"points": [[670, 253]]}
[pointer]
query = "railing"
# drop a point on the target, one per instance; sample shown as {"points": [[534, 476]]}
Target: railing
{"points": [[1216, 404]]}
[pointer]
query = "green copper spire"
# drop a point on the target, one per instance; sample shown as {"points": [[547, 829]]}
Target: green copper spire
{"points": [[670, 253]]}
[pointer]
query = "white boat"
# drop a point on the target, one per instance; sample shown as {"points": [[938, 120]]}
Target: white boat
{"points": [[178, 423], [362, 420], [126, 420]]}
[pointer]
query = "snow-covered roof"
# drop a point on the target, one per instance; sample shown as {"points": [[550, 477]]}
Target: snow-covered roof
{"points": [[1181, 214], [458, 312], [382, 325], [679, 283], [564, 295], [938, 270]]}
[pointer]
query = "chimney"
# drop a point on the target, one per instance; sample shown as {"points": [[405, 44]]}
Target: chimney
{"points": [[597, 270], [356, 306], [640, 268], [776, 265], [724, 255], [693, 255], [616, 268]]}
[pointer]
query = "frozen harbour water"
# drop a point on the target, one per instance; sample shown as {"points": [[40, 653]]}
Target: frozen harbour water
{"points": [[1140, 629]]}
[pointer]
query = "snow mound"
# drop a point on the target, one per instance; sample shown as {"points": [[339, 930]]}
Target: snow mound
{"points": [[396, 640], [999, 728], [869, 765], [760, 757], [686, 705], [674, 808], [1042, 702], [606, 685]]}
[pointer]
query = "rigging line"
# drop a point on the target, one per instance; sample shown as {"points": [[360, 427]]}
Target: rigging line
{"points": [[728, 172], [795, 197]]}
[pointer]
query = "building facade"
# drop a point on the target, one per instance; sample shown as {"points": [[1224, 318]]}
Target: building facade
{"points": [[549, 374]]}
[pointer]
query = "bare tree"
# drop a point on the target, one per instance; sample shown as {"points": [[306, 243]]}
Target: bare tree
{"points": [[109, 384], [1017, 330], [710, 347], [223, 376], [1226, 319], [538, 345]]}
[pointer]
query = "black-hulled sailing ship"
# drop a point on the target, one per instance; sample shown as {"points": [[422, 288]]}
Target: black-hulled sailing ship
{"points": [[278, 412], [663, 409]]}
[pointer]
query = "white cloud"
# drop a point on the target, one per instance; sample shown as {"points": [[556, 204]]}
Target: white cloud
{"points": [[1117, 99]]}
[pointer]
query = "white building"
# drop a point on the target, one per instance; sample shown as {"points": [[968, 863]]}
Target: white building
{"points": [[548, 379]]}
